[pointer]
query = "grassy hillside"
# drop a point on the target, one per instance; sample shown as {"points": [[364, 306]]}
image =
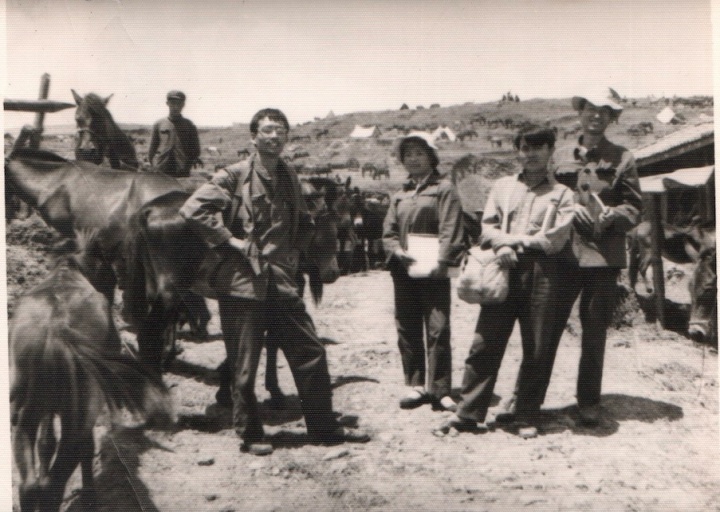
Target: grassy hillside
{"points": [[327, 140]]}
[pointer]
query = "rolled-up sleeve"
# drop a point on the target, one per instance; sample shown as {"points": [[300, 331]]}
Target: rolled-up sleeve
{"points": [[204, 209]]}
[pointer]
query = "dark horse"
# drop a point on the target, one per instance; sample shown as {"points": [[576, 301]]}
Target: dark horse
{"points": [[165, 259], [74, 196], [368, 216], [99, 137], [66, 362]]}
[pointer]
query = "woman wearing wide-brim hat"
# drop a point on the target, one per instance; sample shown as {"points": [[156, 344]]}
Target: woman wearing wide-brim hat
{"points": [[427, 205]]}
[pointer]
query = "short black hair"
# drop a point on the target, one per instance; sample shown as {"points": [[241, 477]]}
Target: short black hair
{"points": [[434, 160], [271, 113], [535, 135]]}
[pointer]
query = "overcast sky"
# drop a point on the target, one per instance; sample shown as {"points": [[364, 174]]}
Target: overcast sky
{"points": [[308, 57]]}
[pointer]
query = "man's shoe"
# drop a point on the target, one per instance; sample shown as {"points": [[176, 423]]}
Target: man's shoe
{"points": [[341, 435], [415, 398], [507, 412], [459, 424], [446, 403], [258, 448], [590, 415]]}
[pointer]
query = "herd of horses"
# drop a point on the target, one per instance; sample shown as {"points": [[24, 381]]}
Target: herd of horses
{"points": [[121, 229]]}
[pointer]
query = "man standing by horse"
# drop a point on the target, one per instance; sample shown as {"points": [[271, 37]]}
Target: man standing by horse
{"points": [[253, 215], [174, 140]]}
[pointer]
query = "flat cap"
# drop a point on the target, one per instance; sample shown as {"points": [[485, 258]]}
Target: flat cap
{"points": [[176, 95]]}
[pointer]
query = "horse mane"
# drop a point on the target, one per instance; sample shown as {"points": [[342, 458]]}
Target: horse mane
{"points": [[40, 156]]}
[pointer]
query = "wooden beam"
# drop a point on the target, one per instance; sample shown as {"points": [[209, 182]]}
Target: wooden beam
{"points": [[657, 235], [46, 106]]}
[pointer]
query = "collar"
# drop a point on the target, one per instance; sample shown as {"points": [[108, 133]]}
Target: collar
{"points": [[584, 154], [522, 178], [432, 178]]}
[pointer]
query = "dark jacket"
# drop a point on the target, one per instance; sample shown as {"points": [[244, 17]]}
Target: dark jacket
{"points": [[431, 207], [609, 171], [176, 144], [241, 201]]}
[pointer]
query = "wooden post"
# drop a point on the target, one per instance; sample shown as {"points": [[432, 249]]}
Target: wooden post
{"points": [[40, 116], [657, 237]]}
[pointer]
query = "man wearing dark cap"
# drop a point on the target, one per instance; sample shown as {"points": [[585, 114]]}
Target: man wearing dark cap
{"points": [[174, 145], [608, 205]]}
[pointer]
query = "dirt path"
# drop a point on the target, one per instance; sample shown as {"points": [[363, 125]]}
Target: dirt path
{"points": [[656, 449]]}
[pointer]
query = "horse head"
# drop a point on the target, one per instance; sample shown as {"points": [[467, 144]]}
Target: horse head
{"points": [[98, 136], [320, 260]]}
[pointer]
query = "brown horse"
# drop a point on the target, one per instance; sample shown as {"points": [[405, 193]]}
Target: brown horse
{"points": [[99, 137], [66, 363], [74, 196]]}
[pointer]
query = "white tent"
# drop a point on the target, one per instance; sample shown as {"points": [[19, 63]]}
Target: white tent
{"points": [[360, 132], [666, 116], [444, 132]]}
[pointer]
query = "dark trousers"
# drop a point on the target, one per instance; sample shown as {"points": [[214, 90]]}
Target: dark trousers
{"points": [[244, 324], [597, 303], [530, 301], [424, 304]]}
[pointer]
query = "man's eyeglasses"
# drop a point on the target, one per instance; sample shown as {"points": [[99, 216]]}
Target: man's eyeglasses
{"points": [[269, 130]]}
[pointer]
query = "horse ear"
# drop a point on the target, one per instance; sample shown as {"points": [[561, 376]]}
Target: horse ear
{"points": [[78, 98], [107, 100], [348, 181]]}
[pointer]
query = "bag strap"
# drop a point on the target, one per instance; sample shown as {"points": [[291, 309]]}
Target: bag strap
{"points": [[505, 224]]}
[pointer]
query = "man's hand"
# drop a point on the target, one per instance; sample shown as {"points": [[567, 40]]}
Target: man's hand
{"points": [[607, 218], [507, 258], [507, 240], [583, 220]]}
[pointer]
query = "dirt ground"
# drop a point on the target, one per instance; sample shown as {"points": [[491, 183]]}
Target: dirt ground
{"points": [[656, 448]]}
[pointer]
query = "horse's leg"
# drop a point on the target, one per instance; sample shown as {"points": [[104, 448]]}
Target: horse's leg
{"points": [[86, 449], [277, 398], [24, 453], [68, 458], [151, 337]]}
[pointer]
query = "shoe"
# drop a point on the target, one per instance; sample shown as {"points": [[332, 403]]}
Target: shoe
{"points": [[459, 424], [258, 448], [415, 398], [341, 435], [507, 413], [527, 432], [446, 403], [590, 415]]}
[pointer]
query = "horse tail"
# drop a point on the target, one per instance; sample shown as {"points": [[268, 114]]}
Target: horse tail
{"points": [[65, 373], [316, 284]]}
